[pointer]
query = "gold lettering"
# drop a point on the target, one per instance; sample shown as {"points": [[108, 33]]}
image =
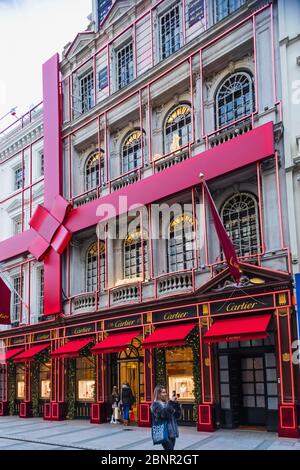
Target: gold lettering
{"points": [[78, 331], [234, 307], [175, 316], [122, 323]]}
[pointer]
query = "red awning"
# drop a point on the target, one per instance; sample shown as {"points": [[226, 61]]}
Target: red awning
{"points": [[238, 329], [168, 336], [115, 342], [5, 356], [71, 349], [28, 355]]}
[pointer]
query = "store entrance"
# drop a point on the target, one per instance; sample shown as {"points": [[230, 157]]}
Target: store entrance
{"points": [[248, 389], [129, 373]]}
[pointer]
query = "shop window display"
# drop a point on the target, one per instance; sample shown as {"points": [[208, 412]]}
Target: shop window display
{"points": [[179, 367]]}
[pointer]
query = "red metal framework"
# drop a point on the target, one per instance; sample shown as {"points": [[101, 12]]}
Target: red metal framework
{"points": [[84, 217]]}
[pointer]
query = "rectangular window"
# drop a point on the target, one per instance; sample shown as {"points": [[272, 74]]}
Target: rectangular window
{"points": [[42, 167], [41, 290], [224, 8], [86, 84], [125, 72], [17, 225], [16, 307], [169, 32], [19, 177]]}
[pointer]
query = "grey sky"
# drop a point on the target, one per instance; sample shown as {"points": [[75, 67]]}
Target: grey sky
{"points": [[31, 31]]}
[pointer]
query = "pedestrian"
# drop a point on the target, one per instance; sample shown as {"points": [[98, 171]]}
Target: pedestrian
{"points": [[164, 418], [115, 401], [127, 400], [173, 397]]}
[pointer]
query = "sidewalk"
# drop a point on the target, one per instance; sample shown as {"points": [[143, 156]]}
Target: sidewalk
{"points": [[36, 434]]}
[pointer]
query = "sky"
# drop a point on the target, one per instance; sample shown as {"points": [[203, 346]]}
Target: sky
{"points": [[31, 31]]}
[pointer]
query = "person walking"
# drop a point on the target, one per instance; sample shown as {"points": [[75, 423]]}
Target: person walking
{"points": [[127, 400], [165, 413], [115, 401]]}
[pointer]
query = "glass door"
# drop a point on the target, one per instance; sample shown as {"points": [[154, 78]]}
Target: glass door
{"points": [[129, 373], [254, 390]]}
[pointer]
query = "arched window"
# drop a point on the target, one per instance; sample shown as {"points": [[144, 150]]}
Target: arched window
{"points": [[132, 151], [241, 220], [94, 170], [92, 267], [181, 243], [178, 128], [133, 248], [234, 99]]}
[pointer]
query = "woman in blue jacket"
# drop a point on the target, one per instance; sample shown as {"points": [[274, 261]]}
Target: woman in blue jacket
{"points": [[168, 412]]}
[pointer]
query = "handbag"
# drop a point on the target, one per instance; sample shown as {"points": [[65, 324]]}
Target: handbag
{"points": [[159, 432]]}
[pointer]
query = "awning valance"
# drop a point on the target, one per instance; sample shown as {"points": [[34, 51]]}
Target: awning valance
{"points": [[6, 355], [28, 355], [168, 336], [115, 342], [238, 329], [71, 349]]}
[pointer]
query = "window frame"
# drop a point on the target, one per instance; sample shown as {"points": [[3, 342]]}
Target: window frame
{"points": [[89, 287], [130, 67], [185, 262], [215, 8], [160, 16], [257, 225], [168, 151], [251, 84], [100, 171], [91, 103]]}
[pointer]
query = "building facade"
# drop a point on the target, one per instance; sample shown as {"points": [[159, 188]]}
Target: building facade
{"points": [[107, 239]]}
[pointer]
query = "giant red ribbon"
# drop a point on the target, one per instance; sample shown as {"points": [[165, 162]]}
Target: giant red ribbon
{"points": [[51, 233]]}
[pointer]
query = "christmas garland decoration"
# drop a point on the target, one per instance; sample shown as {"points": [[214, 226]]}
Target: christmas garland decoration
{"points": [[71, 386], [160, 366], [11, 387], [35, 380], [193, 340]]}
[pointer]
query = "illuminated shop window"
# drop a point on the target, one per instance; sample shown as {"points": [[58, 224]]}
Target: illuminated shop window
{"points": [[94, 171], [85, 379], [224, 8], [92, 267], [45, 381], [125, 70], [132, 151], [179, 367], [178, 128], [241, 220], [181, 243], [86, 89], [234, 99], [133, 255], [170, 32], [20, 382]]}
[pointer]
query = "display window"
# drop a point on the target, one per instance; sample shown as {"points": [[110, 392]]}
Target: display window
{"points": [[85, 380], [45, 381], [179, 369], [20, 379]]}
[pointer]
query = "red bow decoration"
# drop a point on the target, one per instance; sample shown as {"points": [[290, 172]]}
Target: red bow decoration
{"points": [[51, 233]]}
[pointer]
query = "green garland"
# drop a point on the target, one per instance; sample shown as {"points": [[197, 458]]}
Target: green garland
{"points": [[160, 367], [193, 340], [11, 387], [40, 358], [71, 386]]}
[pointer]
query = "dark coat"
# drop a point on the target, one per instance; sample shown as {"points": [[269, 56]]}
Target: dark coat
{"points": [[127, 397], [170, 412]]}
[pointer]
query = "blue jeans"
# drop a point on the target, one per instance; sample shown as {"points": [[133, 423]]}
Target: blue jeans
{"points": [[126, 409]]}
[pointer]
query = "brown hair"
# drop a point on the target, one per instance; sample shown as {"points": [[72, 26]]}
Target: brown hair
{"points": [[157, 392]]}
